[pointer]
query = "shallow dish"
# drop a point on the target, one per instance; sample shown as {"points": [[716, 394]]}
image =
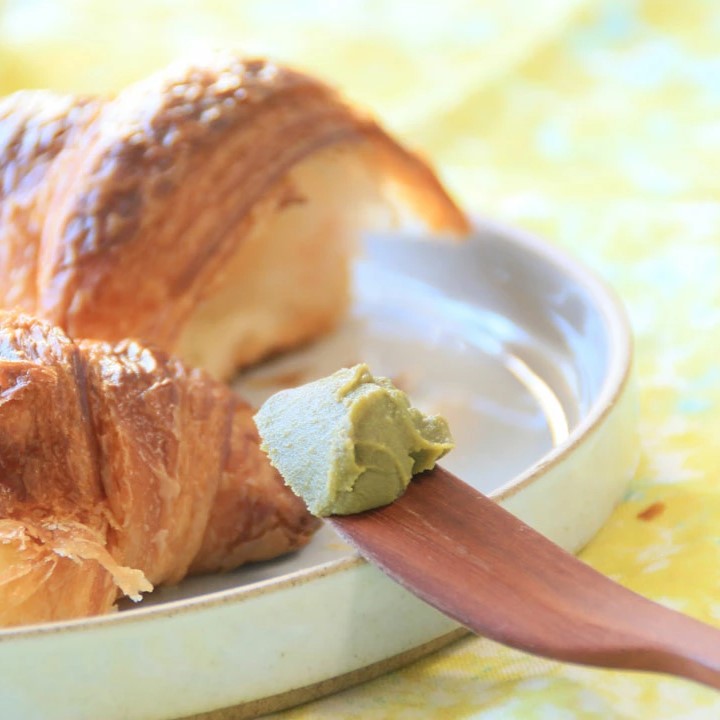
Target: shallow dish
{"points": [[529, 357]]}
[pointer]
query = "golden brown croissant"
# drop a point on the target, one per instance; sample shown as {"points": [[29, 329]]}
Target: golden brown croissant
{"points": [[120, 468], [208, 210]]}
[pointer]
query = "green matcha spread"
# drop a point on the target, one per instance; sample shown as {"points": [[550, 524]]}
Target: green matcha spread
{"points": [[349, 442]]}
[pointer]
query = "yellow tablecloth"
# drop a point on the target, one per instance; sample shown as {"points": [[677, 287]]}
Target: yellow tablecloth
{"points": [[593, 122]]}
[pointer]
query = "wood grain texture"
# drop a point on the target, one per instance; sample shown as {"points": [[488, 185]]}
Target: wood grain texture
{"points": [[465, 555]]}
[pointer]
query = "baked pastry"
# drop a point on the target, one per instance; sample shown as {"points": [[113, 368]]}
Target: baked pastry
{"points": [[209, 210], [120, 469]]}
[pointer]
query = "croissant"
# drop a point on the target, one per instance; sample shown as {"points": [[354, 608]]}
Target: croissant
{"points": [[120, 469], [209, 210]]}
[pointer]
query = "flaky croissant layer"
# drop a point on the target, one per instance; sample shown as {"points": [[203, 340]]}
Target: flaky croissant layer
{"points": [[120, 469], [209, 209]]}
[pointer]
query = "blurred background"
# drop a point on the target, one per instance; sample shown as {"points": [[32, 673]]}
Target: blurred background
{"points": [[579, 98], [595, 123]]}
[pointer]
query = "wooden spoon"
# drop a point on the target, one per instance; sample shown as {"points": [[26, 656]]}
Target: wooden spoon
{"points": [[468, 557]]}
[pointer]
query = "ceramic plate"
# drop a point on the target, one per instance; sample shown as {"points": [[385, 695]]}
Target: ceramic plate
{"points": [[529, 358]]}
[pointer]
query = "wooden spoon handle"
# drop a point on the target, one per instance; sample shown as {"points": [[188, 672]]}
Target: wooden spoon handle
{"points": [[465, 555]]}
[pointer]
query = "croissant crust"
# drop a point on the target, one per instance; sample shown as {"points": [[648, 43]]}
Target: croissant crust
{"points": [[120, 469], [122, 217]]}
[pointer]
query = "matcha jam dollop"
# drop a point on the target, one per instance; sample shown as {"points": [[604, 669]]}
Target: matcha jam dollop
{"points": [[349, 442]]}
